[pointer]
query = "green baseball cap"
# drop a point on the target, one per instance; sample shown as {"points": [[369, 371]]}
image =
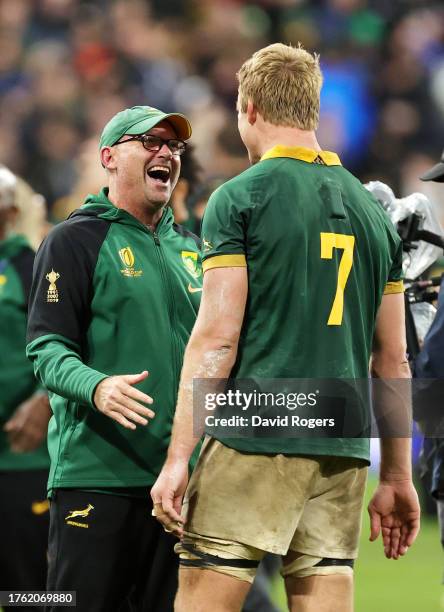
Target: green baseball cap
{"points": [[140, 119]]}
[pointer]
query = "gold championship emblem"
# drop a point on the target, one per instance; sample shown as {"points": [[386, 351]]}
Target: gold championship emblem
{"points": [[53, 294], [190, 261], [127, 257]]}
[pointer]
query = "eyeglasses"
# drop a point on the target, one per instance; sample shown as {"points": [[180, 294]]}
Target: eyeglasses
{"points": [[155, 143]]}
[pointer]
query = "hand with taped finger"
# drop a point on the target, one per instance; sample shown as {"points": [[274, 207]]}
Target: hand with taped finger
{"points": [[117, 398], [174, 527], [167, 494]]}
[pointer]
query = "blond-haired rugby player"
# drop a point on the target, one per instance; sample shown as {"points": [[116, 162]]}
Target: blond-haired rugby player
{"points": [[302, 280]]}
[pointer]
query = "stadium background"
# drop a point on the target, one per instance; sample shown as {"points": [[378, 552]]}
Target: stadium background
{"points": [[67, 66]]}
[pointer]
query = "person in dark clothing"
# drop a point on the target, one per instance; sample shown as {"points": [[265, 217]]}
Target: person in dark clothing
{"points": [[24, 415]]}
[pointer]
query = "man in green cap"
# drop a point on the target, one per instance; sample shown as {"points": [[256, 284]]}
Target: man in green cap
{"points": [[115, 294]]}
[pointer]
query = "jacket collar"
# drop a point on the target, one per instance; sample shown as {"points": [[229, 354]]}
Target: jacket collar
{"points": [[102, 207]]}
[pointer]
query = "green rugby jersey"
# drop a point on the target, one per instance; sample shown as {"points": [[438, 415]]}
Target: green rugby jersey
{"points": [[110, 297], [320, 253], [17, 381]]}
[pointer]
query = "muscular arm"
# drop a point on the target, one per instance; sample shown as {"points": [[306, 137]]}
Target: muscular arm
{"points": [[392, 392], [211, 353]]}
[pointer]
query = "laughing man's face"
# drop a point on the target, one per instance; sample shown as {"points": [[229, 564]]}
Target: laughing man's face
{"points": [[150, 176]]}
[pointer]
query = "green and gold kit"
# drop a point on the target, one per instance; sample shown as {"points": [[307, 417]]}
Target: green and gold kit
{"points": [[110, 297], [320, 253], [17, 380]]}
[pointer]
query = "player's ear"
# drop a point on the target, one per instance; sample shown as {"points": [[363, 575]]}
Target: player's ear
{"points": [[107, 158], [251, 112]]}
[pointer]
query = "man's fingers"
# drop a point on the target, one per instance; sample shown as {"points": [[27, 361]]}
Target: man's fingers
{"points": [[133, 416], [133, 379], [170, 511], [136, 394], [170, 525], [395, 537], [412, 532], [177, 506], [136, 407], [403, 548], [121, 419], [375, 525], [386, 540], [121, 407]]}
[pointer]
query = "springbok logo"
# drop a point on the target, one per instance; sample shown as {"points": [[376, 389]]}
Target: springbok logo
{"points": [[79, 514], [190, 261], [127, 257], [207, 246]]}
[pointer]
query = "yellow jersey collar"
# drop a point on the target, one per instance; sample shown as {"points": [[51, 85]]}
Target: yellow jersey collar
{"points": [[306, 155]]}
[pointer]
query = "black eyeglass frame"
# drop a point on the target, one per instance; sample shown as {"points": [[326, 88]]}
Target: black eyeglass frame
{"points": [[143, 138]]}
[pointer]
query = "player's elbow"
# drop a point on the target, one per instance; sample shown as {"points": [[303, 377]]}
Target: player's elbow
{"points": [[390, 362]]}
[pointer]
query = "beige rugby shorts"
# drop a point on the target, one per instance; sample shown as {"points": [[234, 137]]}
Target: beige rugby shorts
{"points": [[240, 506]]}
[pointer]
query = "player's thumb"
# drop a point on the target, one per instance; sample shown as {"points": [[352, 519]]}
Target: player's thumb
{"points": [[133, 379], [375, 524]]}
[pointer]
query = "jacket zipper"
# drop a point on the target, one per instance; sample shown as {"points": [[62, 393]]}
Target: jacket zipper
{"points": [[171, 308]]}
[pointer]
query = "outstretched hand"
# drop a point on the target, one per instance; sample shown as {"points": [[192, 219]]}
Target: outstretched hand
{"points": [[117, 398], [394, 510]]}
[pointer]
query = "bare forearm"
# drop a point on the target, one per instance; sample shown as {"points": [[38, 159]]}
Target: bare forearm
{"points": [[204, 358], [396, 459], [393, 412]]}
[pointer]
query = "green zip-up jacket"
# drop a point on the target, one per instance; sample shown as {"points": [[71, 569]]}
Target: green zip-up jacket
{"points": [[17, 381], [110, 297]]}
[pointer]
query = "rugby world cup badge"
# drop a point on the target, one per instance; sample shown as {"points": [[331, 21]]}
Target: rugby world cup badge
{"points": [[127, 257]]}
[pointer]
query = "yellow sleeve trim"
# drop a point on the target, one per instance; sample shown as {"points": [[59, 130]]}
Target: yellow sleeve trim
{"points": [[224, 261], [394, 287]]}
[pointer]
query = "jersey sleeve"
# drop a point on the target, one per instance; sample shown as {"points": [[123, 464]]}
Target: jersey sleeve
{"points": [[59, 312], [223, 233], [61, 287], [394, 282]]}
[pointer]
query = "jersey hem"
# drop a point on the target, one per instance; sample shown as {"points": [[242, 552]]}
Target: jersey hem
{"points": [[102, 484], [307, 449]]}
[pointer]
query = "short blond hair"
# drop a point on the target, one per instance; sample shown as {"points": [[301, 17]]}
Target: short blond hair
{"points": [[284, 83]]}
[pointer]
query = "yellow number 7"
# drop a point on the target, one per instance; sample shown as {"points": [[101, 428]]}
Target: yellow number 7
{"points": [[347, 243]]}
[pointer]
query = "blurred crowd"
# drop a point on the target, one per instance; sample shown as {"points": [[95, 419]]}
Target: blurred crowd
{"points": [[66, 66]]}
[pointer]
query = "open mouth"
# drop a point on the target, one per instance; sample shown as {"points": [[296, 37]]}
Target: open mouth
{"points": [[159, 173]]}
